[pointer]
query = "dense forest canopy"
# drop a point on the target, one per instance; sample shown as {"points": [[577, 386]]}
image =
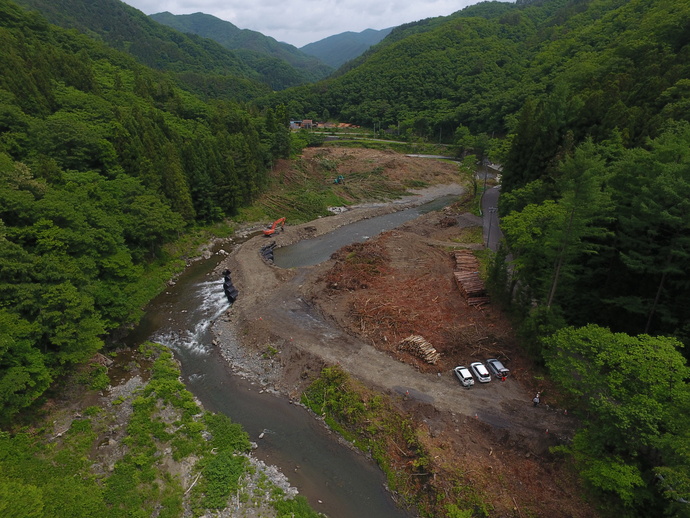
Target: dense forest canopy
{"points": [[625, 64], [281, 65], [102, 161], [203, 66], [586, 103]]}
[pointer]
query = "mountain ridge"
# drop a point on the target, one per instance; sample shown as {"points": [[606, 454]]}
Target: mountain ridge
{"points": [[338, 49], [204, 65], [252, 46]]}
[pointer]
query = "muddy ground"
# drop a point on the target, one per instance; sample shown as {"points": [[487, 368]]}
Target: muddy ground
{"points": [[288, 324]]}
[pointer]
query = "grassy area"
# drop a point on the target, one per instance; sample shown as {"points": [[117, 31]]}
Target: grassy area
{"points": [[306, 190], [469, 235], [421, 148]]}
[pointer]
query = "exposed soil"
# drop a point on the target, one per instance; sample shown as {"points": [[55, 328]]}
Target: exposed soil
{"points": [[287, 324]]}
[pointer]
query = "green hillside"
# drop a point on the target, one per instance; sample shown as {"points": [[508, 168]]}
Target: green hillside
{"points": [[340, 48], [262, 53], [478, 67], [203, 66], [102, 162]]}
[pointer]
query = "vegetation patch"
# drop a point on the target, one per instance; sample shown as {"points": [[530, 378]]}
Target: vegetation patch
{"points": [[153, 452], [372, 423], [469, 235]]}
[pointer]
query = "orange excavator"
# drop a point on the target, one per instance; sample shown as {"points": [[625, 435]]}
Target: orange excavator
{"points": [[279, 223]]}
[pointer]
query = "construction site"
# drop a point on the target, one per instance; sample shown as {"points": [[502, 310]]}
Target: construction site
{"points": [[398, 313]]}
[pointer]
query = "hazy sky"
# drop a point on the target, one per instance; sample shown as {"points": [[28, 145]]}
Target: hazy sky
{"points": [[299, 22]]}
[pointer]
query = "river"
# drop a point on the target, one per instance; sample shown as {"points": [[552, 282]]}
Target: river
{"points": [[316, 250], [336, 479]]}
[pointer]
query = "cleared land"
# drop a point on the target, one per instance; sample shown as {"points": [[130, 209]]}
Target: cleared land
{"points": [[355, 309]]}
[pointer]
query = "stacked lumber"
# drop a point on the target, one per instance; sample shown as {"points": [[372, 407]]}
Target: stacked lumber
{"points": [[470, 284], [467, 278], [420, 348], [465, 260]]}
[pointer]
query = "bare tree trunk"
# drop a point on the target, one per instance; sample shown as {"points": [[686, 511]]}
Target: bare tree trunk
{"points": [[559, 263], [655, 304]]}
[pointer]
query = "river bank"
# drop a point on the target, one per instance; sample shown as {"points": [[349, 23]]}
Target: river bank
{"points": [[247, 334]]}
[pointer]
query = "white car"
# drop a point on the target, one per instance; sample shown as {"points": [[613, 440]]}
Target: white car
{"points": [[464, 375], [480, 372]]}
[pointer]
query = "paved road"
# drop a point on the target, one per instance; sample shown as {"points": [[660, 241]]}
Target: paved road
{"points": [[492, 230]]}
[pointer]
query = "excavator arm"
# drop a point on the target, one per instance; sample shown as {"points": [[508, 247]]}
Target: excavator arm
{"points": [[276, 224]]}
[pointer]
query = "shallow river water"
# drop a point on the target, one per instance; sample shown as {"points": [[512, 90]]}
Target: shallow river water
{"points": [[314, 251]]}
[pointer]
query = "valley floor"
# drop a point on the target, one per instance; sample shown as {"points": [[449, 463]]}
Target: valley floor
{"points": [[491, 432]]}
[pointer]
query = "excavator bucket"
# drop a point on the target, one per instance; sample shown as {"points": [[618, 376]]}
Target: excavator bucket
{"points": [[279, 223]]}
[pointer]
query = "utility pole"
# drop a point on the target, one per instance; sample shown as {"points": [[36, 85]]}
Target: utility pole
{"points": [[492, 211]]}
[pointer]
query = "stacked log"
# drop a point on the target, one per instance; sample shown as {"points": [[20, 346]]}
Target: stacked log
{"points": [[420, 348], [465, 260], [467, 278]]}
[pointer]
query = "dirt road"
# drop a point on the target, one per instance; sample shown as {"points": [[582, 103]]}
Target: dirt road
{"points": [[278, 310]]}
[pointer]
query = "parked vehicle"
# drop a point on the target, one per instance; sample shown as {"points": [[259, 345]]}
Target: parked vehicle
{"points": [[497, 368], [480, 372], [463, 374]]}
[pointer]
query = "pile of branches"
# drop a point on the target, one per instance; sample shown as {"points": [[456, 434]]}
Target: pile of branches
{"points": [[448, 221], [356, 266]]}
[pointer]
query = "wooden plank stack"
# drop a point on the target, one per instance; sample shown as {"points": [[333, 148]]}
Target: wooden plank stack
{"points": [[420, 348], [467, 278]]}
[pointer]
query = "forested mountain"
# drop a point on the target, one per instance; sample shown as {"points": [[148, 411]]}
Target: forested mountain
{"points": [[102, 161], [202, 65], [341, 48], [429, 77], [258, 51], [585, 102], [478, 67]]}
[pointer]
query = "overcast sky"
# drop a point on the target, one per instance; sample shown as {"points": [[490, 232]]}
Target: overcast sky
{"points": [[299, 22]]}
